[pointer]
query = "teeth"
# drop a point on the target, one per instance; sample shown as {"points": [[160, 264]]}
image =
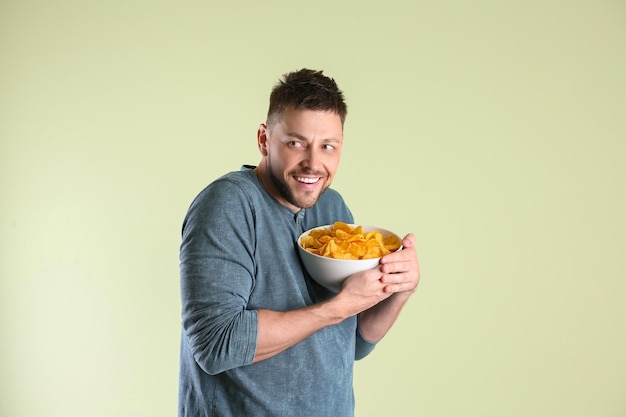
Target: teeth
{"points": [[307, 180]]}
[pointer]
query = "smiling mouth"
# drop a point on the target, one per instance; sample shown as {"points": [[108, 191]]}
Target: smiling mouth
{"points": [[307, 180]]}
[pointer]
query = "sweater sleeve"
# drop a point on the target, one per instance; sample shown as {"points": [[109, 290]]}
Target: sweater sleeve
{"points": [[217, 277], [362, 347]]}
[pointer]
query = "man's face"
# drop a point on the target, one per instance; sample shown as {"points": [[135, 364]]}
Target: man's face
{"points": [[301, 153]]}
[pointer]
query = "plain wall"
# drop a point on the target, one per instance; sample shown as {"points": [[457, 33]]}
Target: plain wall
{"points": [[492, 130]]}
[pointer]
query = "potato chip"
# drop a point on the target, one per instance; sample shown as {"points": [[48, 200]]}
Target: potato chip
{"points": [[343, 241]]}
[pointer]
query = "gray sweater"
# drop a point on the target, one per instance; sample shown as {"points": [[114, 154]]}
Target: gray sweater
{"points": [[239, 254]]}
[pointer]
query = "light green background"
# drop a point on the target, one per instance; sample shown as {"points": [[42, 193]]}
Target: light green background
{"points": [[493, 130]]}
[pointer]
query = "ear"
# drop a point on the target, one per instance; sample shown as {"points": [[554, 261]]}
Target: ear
{"points": [[261, 137]]}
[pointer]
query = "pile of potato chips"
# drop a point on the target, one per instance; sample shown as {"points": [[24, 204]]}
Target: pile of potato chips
{"points": [[343, 241]]}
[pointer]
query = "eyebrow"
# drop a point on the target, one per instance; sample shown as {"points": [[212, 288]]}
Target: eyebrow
{"points": [[304, 138]]}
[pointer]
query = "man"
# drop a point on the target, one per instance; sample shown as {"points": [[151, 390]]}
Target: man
{"points": [[259, 337]]}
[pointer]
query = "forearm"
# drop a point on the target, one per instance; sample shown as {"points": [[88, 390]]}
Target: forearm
{"points": [[376, 321], [278, 331]]}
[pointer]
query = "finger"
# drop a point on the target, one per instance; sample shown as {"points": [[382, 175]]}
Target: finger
{"points": [[409, 241], [396, 287], [405, 255], [396, 267], [406, 252], [400, 278]]}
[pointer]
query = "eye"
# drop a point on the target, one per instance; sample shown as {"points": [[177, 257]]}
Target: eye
{"points": [[328, 147], [294, 144]]}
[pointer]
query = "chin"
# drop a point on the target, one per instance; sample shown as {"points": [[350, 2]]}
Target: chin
{"points": [[310, 200]]}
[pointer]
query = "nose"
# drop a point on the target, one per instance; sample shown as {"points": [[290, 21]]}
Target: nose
{"points": [[312, 159]]}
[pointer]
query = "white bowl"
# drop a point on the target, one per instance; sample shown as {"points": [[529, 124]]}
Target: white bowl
{"points": [[329, 272]]}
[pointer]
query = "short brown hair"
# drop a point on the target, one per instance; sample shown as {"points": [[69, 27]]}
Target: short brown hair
{"points": [[308, 89]]}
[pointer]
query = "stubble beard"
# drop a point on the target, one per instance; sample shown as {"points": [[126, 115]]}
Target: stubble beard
{"points": [[287, 192]]}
